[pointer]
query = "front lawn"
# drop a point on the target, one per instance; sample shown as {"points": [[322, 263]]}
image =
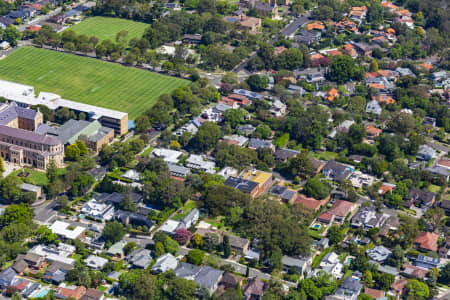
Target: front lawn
{"points": [[31, 176]]}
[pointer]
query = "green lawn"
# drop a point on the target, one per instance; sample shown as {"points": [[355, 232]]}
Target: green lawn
{"points": [[325, 155], [88, 80], [107, 28], [35, 177], [434, 188], [190, 205]]}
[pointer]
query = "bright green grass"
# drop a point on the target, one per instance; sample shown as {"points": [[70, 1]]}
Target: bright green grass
{"points": [[88, 80], [35, 177], [434, 188], [190, 205], [107, 28]]}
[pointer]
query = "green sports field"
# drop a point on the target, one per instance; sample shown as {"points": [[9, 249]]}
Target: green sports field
{"points": [[107, 28], [87, 80]]}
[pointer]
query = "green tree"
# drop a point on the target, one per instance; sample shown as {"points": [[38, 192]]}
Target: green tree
{"points": [[343, 68], [82, 147], [373, 66], [207, 136], [263, 132], [11, 35], [182, 289], [335, 234], [195, 256], [226, 246], [113, 232], [300, 166], [159, 249], [2, 167], [257, 83], [17, 214], [73, 152], [316, 189], [367, 278], [417, 290], [444, 275]]}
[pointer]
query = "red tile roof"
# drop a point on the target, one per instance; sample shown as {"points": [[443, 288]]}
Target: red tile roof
{"points": [[399, 285], [427, 240], [373, 131], [341, 208], [325, 216], [310, 203], [375, 294], [445, 162]]}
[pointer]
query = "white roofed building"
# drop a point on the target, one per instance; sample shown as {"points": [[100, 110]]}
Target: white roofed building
{"points": [[66, 231]]}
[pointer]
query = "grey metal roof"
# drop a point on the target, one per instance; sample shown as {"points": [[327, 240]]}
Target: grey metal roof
{"points": [[351, 284], [141, 258], [69, 129], [208, 277], [99, 134], [173, 168], [42, 129], [258, 143], [185, 270], [293, 262]]}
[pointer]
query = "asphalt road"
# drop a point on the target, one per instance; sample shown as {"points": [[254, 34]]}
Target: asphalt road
{"points": [[45, 212], [292, 27]]}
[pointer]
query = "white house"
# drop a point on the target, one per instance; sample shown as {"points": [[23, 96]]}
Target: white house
{"points": [[66, 231], [332, 265], [198, 163], [95, 262], [98, 210], [169, 156], [373, 107]]}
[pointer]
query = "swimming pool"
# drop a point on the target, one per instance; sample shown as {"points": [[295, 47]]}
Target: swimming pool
{"points": [[41, 294], [316, 226]]}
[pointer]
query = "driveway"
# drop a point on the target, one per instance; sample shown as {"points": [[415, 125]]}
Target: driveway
{"points": [[45, 213]]}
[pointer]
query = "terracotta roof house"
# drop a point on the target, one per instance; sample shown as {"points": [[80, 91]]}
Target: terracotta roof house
{"points": [[349, 50], [326, 218], [309, 202], [386, 187], [413, 271], [375, 294], [372, 131], [253, 24], [444, 163], [254, 290], [63, 292], [341, 209], [317, 25], [427, 241], [331, 95], [93, 294], [426, 66], [316, 56], [34, 28], [382, 98], [389, 74], [398, 286]]}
